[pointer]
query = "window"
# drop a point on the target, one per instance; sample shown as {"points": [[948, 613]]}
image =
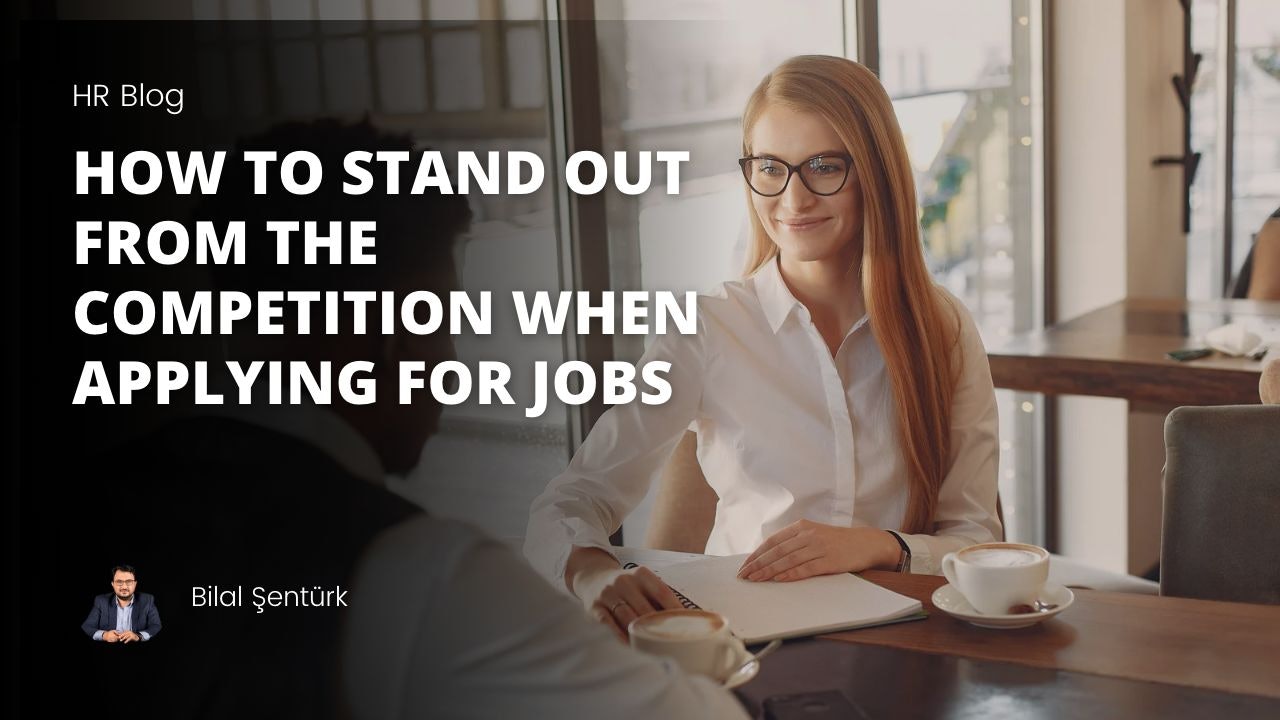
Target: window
{"points": [[965, 79], [1240, 39], [456, 75]]}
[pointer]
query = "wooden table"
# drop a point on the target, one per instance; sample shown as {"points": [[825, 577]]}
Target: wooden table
{"points": [[1119, 351], [1108, 655]]}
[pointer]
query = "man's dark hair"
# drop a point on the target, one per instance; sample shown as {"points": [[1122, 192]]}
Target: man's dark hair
{"points": [[124, 568], [415, 233]]}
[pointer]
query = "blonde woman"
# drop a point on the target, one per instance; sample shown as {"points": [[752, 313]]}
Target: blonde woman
{"points": [[845, 412]]}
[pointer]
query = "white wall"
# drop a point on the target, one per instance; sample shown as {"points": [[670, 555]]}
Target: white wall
{"points": [[1117, 235]]}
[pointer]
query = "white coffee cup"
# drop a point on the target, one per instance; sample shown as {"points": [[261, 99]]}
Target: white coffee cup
{"points": [[698, 640], [997, 577]]}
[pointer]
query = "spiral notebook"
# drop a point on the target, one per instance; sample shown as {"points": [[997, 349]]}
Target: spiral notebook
{"points": [[764, 611]]}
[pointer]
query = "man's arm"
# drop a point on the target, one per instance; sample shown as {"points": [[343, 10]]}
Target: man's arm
{"points": [[151, 623], [507, 642], [463, 627], [90, 624]]}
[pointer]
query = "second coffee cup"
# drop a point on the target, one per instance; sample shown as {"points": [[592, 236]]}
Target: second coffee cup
{"points": [[698, 640]]}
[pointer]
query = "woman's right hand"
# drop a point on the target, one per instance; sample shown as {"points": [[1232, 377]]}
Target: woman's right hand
{"points": [[615, 596]]}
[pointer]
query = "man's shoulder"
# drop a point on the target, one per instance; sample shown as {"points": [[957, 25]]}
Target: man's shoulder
{"points": [[146, 598]]}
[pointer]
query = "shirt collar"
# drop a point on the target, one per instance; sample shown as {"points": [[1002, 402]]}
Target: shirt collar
{"points": [[777, 301], [128, 604], [775, 297]]}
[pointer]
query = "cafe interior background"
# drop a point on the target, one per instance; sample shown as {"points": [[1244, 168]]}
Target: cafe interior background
{"points": [[1032, 125]]}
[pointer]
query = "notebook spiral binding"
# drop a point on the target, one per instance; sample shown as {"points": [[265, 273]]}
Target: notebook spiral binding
{"points": [[686, 602]]}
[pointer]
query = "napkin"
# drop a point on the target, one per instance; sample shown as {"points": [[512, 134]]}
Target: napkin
{"points": [[1232, 339]]}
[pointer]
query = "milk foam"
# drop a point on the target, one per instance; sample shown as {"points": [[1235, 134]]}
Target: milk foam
{"points": [[682, 627], [1001, 557]]}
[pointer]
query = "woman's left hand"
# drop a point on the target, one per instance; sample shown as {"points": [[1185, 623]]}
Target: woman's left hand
{"points": [[806, 548]]}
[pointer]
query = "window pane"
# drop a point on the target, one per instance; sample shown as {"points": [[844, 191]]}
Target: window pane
{"points": [[526, 84], [1204, 242], [962, 79], [458, 75], [454, 10], [341, 9], [397, 9], [489, 462], [1257, 148], [242, 10], [401, 73], [297, 78], [206, 10], [521, 10], [290, 9], [214, 87], [247, 66], [346, 74]]}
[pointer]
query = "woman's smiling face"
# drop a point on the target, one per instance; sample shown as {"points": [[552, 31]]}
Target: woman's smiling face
{"points": [[805, 226]]}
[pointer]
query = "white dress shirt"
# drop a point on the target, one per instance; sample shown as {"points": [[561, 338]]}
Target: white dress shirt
{"points": [[447, 622], [786, 432]]}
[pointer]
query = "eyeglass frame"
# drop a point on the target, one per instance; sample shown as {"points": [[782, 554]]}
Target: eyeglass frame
{"points": [[793, 170], [124, 583]]}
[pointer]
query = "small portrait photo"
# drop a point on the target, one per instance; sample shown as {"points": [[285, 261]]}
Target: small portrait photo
{"points": [[125, 615]]}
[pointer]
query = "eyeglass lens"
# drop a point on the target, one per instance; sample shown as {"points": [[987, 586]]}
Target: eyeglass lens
{"points": [[824, 175]]}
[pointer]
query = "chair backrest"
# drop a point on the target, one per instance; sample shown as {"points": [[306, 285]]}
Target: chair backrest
{"points": [[1239, 287], [1222, 504]]}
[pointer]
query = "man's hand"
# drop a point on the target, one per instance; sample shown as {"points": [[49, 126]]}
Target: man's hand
{"points": [[110, 636], [612, 595], [806, 548], [615, 596], [128, 637]]}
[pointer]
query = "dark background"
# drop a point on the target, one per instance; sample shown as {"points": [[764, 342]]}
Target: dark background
{"points": [[95, 486]]}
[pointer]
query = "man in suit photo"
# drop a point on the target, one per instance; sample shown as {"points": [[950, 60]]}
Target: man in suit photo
{"points": [[123, 615]]}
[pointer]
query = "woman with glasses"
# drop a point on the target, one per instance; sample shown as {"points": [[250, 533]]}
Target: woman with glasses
{"points": [[843, 402]]}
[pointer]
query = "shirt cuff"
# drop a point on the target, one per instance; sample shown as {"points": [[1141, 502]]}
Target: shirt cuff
{"points": [[144, 635], [98, 635], [923, 561], [563, 560], [553, 548]]}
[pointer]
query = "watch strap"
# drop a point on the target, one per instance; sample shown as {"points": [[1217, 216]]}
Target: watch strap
{"points": [[904, 560]]}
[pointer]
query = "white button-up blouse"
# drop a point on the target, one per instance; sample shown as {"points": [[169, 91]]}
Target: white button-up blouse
{"points": [[786, 431]]}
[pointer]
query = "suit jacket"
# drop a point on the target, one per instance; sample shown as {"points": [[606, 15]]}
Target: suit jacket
{"points": [[144, 618]]}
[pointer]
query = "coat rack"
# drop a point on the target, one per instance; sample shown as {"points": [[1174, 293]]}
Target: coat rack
{"points": [[1182, 85]]}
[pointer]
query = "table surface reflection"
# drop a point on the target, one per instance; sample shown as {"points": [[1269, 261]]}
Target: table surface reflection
{"points": [[1119, 351], [1108, 655]]}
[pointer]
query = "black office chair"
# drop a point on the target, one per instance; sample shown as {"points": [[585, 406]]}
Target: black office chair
{"points": [[1222, 504]]}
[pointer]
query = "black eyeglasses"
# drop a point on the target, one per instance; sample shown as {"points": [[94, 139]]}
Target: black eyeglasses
{"points": [[822, 174]]}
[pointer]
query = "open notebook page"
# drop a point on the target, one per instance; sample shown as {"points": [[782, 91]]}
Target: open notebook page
{"points": [[768, 610]]}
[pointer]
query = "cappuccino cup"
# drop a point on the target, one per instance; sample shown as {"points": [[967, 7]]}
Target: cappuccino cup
{"points": [[699, 641], [996, 577]]}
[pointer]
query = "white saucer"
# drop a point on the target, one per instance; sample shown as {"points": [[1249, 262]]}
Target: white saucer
{"points": [[950, 601], [745, 672]]}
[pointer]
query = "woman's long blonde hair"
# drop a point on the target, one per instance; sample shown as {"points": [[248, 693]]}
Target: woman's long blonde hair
{"points": [[913, 321]]}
